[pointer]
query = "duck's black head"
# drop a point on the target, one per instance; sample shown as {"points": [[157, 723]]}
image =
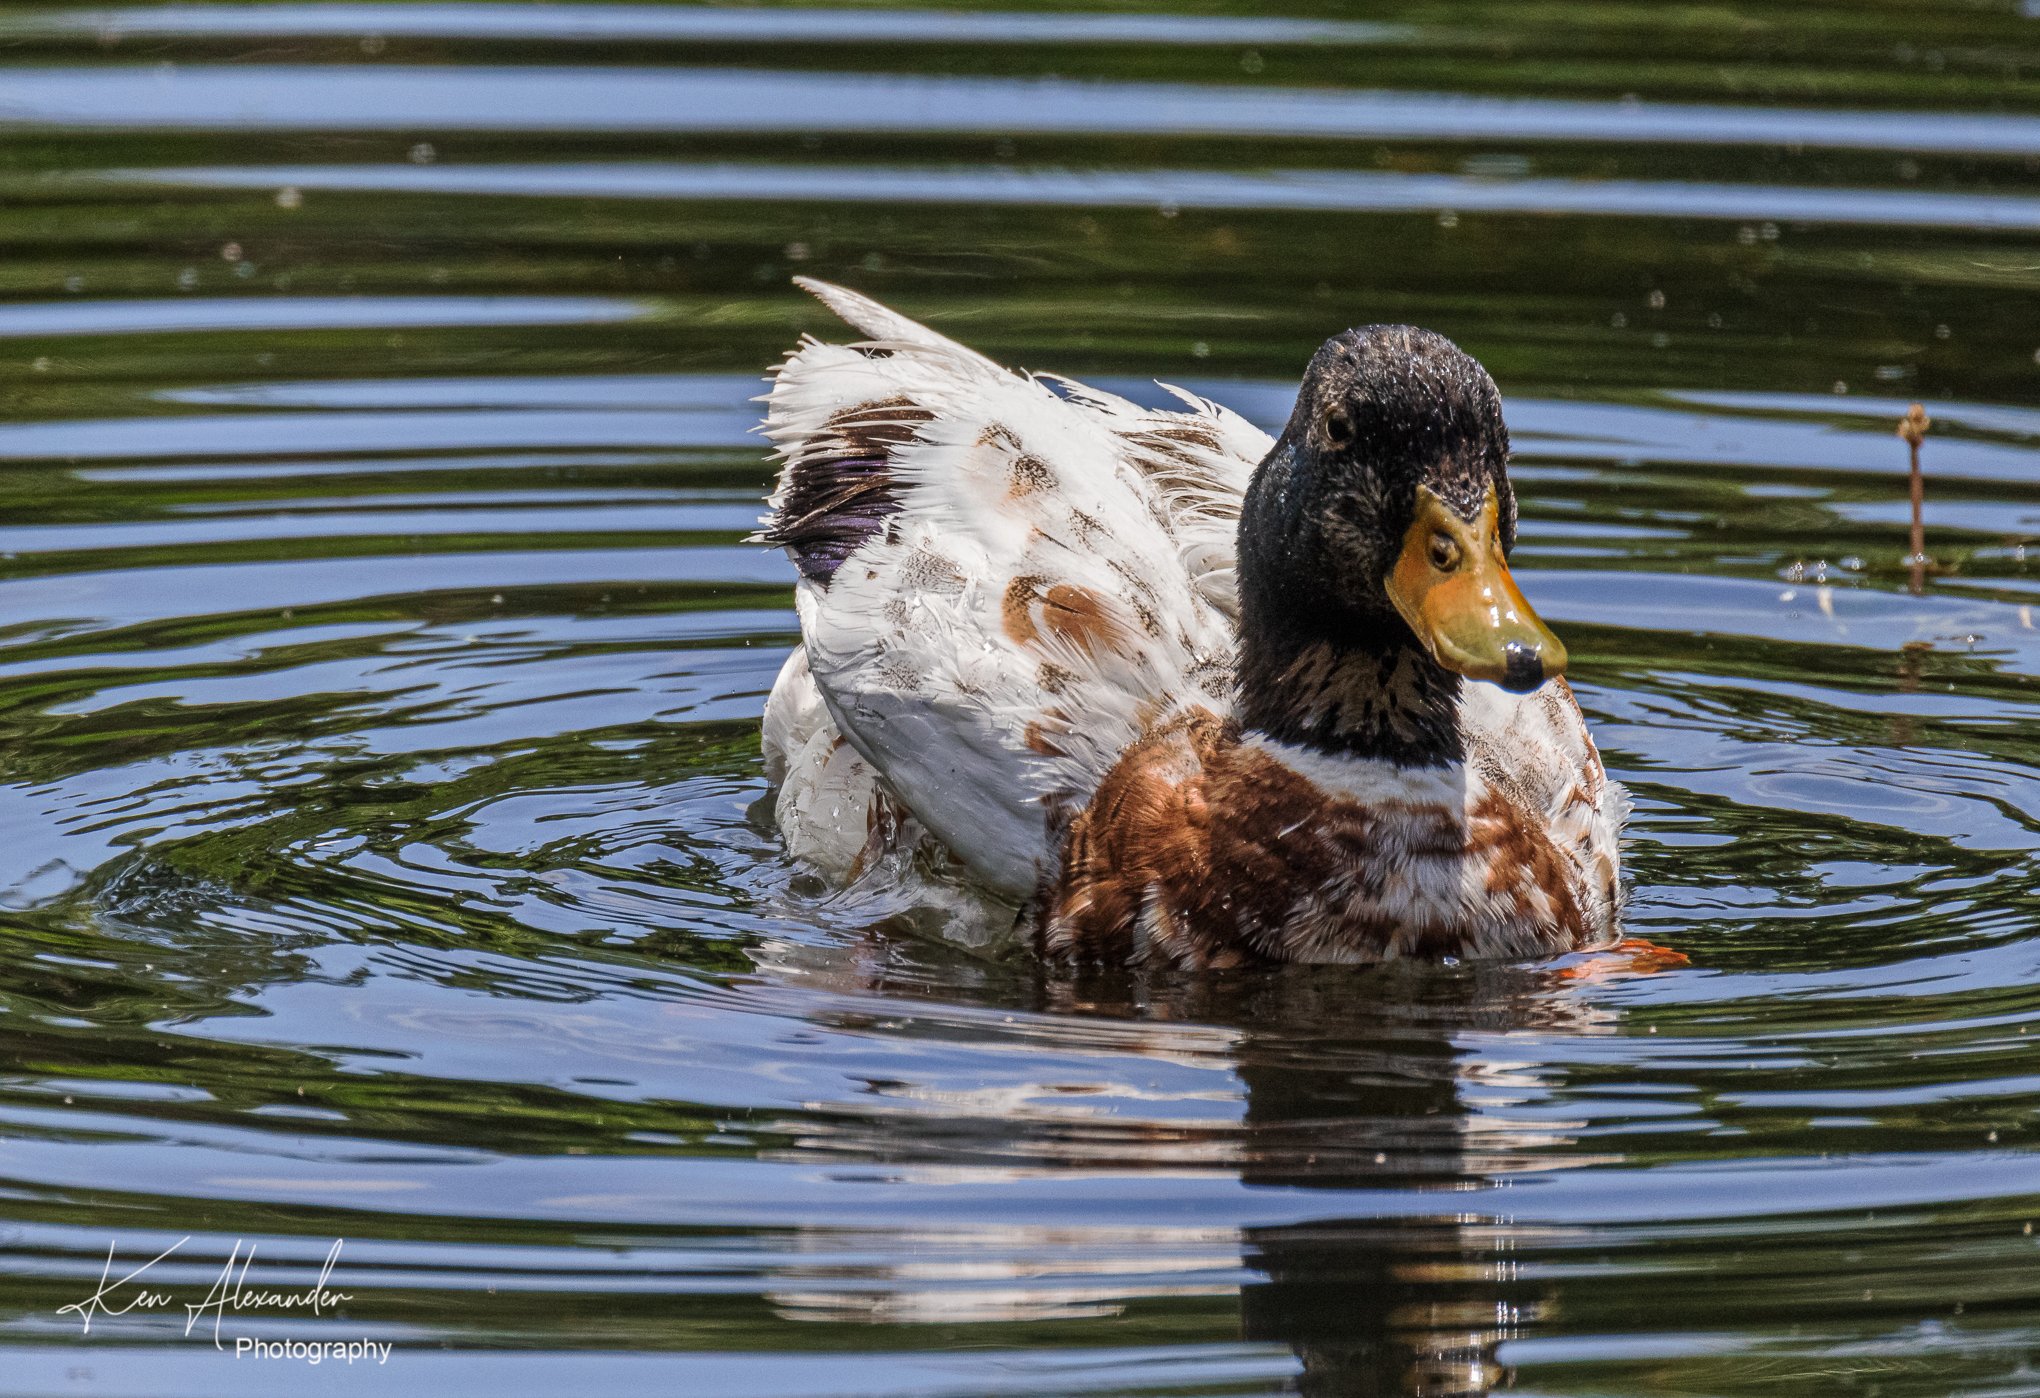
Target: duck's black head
{"points": [[1373, 552]]}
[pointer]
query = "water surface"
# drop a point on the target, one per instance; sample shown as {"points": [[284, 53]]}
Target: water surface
{"points": [[381, 659]]}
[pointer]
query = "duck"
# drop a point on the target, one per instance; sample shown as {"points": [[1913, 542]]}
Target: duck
{"points": [[1179, 692]]}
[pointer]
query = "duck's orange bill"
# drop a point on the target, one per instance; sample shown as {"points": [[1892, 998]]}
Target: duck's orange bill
{"points": [[1453, 587]]}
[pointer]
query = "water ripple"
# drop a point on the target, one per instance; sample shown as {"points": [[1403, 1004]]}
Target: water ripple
{"points": [[479, 98]]}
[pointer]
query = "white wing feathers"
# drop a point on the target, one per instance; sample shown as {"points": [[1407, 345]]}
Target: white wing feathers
{"points": [[883, 325], [1002, 587], [1200, 461], [827, 794]]}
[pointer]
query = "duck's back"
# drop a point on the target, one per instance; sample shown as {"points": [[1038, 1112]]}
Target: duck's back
{"points": [[1002, 587]]}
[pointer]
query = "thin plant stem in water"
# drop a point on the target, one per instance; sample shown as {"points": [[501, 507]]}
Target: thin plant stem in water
{"points": [[1913, 427]]}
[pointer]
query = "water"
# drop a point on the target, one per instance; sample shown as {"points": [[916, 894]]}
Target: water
{"points": [[380, 664]]}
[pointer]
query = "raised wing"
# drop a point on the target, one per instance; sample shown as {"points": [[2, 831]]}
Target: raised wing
{"points": [[1001, 586]]}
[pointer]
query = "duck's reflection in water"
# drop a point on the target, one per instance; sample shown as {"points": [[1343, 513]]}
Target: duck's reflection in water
{"points": [[1397, 1082]]}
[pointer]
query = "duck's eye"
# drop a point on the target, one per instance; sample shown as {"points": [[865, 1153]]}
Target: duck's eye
{"points": [[1444, 552], [1339, 427]]}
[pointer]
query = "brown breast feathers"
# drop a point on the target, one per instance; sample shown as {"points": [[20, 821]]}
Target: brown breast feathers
{"points": [[1207, 851]]}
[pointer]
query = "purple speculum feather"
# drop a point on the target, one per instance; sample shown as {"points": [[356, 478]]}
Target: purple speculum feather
{"points": [[846, 501]]}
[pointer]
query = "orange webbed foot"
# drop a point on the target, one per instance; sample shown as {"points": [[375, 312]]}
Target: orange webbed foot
{"points": [[1632, 956]]}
